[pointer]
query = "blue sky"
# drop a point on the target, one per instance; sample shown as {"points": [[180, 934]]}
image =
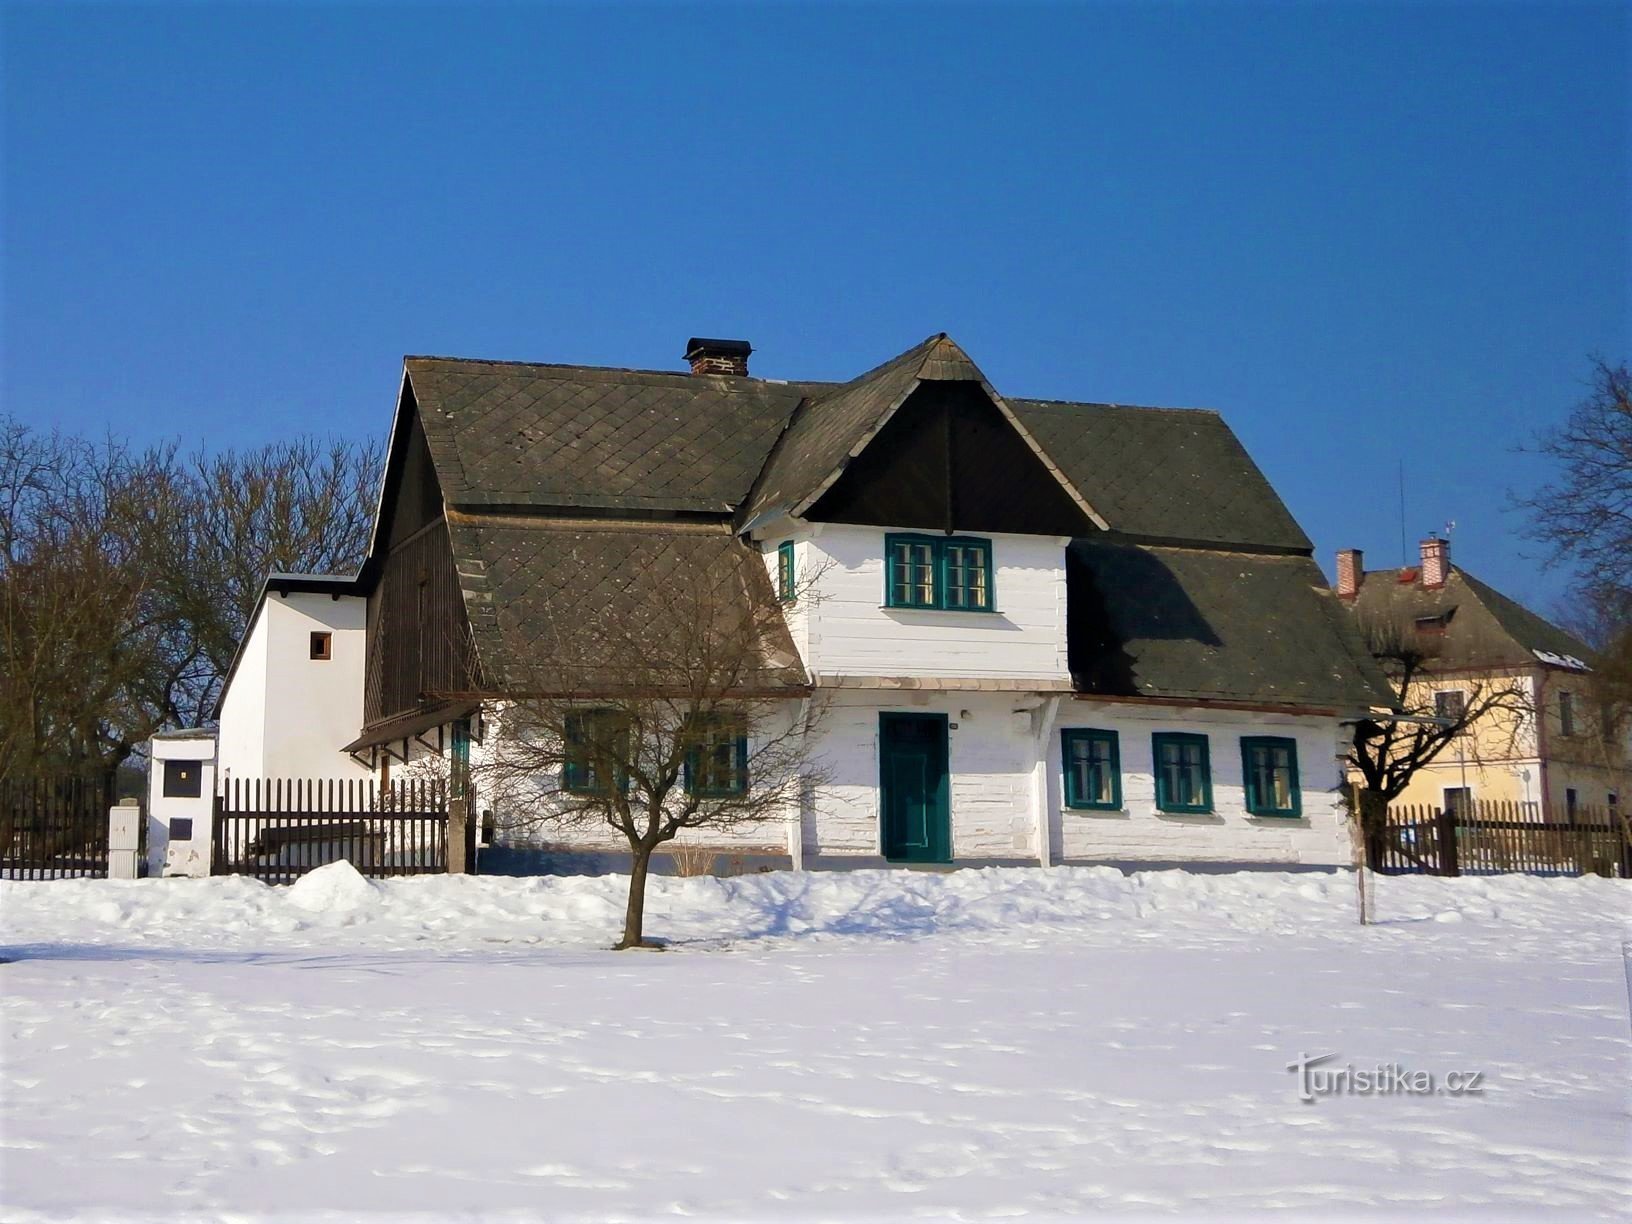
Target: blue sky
{"points": [[1365, 233]]}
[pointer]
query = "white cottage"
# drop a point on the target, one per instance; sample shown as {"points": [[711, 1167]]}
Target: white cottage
{"points": [[1039, 631]]}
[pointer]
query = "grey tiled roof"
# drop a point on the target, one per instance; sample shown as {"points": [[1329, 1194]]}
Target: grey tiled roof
{"points": [[559, 606], [1200, 623], [1193, 622], [1163, 472], [537, 435], [1484, 628]]}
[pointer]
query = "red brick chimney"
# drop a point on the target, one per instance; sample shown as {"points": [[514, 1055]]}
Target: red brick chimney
{"points": [[1436, 562], [718, 356], [1350, 572]]}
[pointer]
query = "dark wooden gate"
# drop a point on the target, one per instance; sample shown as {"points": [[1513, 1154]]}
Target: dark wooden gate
{"points": [[1492, 838], [54, 828], [278, 829]]}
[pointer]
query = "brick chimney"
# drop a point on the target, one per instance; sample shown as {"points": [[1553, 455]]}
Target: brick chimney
{"points": [[718, 356], [1436, 562], [1350, 572]]}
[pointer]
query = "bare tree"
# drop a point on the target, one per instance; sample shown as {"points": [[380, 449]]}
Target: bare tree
{"points": [[127, 577], [302, 506], [81, 530], [1585, 515], [684, 714], [1387, 753]]}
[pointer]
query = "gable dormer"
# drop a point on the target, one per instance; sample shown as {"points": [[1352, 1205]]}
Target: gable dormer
{"points": [[923, 442]]}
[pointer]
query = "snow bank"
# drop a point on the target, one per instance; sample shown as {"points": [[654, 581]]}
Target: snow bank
{"points": [[1021, 905], [876, 1045]]}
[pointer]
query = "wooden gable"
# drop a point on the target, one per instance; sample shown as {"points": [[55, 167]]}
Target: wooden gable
{"points": [[418, 636], [948, 460]]}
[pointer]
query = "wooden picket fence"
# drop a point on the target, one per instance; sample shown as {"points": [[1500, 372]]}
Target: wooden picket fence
{"points": [[278, 829], [1488, 838], [54, 828]]}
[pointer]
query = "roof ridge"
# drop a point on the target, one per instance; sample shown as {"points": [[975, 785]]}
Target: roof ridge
{"points": [[899, 359], [584, 369], [1054, 403]]}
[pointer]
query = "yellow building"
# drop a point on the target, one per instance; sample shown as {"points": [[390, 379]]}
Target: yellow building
{"points": [[1548, 745]]}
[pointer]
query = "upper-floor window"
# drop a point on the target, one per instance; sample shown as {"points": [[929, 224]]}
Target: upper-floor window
{"points": [[1450, 703], [1566, 714], [786, 587], [1184, 781], [596, 750], [322, 646], [1093, 772], [716, 765], [948, 572], [1269, 771]]}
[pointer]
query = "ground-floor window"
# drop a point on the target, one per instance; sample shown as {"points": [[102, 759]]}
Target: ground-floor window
{"points": [[1269, 771], [717, 760], [1184, 780], [1093, 770], [597, 740]]}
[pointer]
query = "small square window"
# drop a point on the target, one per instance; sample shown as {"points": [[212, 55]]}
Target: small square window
{"points": [[183, 779], [181, 829], [322, 645]]}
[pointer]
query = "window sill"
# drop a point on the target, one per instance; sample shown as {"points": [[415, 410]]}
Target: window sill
{"points": [[1077, 809], [1198, 811], [939, 611], [1275, 815]]}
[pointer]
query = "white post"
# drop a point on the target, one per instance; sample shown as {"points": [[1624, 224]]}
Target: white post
{"points": [[124, 840], [1045, 717]]}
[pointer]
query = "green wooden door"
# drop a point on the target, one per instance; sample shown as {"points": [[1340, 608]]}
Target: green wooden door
{"points": [[913, 789]]}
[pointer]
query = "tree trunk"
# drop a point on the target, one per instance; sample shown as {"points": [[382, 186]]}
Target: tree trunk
{"points": [[635, 916], [1373, 809]]}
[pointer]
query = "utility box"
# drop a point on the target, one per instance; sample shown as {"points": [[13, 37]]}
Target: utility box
{"points": [[180, 802], [124, 840]]}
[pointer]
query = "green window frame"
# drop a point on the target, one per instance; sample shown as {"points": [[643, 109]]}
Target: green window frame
{"points": [[581, 773], [1269, 775], [1184, 773], [787, 589], [946, 573], [716, 762], [1092, 760]]}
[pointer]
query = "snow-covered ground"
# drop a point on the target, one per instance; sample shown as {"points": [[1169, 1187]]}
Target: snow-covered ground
{"points": [[974, 1044]]}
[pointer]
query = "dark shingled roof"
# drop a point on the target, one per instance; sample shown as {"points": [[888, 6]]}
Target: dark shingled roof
{"points": [[541, 595], [1177, 474], [506, 433], [1482, 627], [1191, 623], [510, 441]]}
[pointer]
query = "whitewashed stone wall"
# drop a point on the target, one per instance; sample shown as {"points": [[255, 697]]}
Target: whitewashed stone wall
{"points": [[285, 714], [990, 753], [1141, 833]]}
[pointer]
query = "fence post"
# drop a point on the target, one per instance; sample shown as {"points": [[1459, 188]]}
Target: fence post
{"points": [[458, 823], [1446, 836]]}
